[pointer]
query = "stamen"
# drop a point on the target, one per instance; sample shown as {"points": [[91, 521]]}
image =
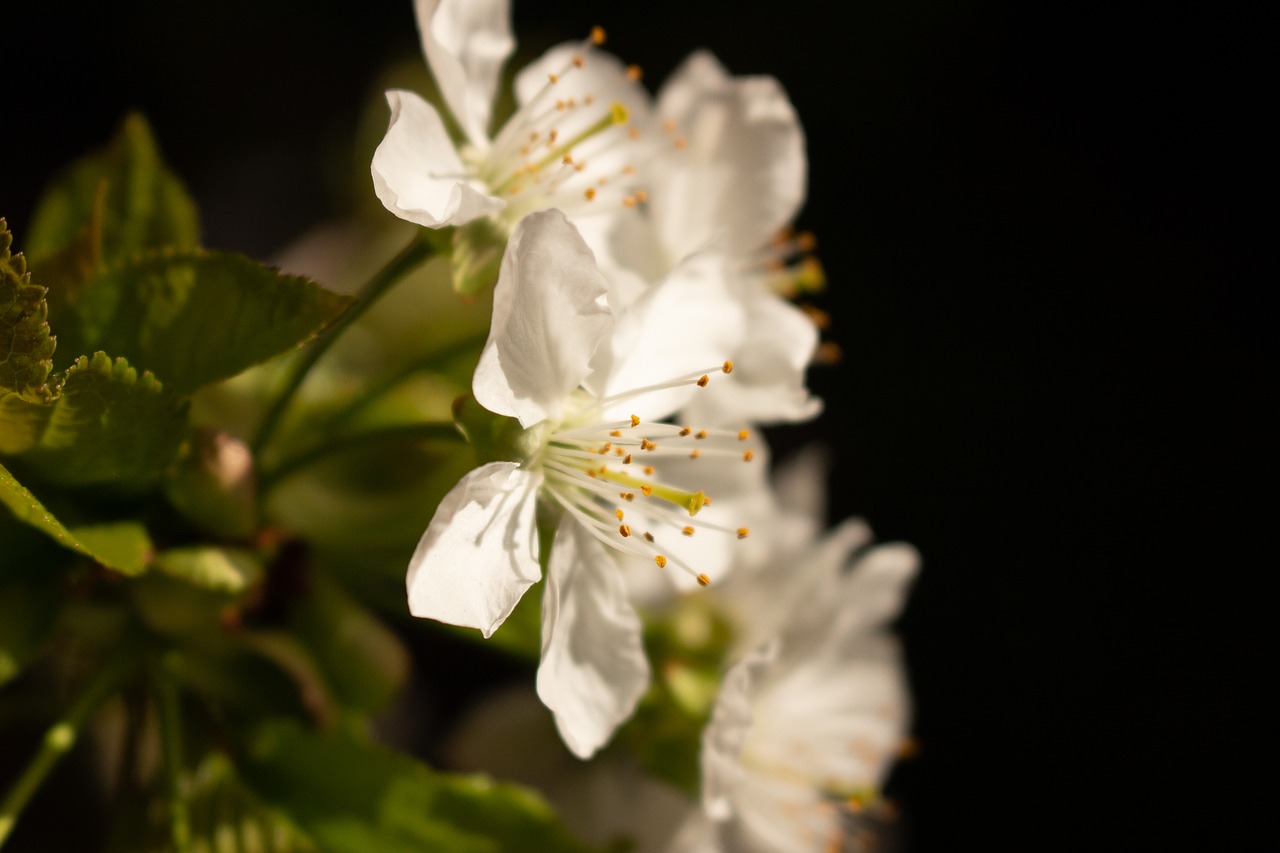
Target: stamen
{"points": [[597, 36], [703, 580], [743, 532], [743, 435], [624, 530], [661, 561]]}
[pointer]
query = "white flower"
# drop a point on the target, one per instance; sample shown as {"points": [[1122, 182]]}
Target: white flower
{"points": [[807, 725], [732, 183], [569, 145], [586, 387]]}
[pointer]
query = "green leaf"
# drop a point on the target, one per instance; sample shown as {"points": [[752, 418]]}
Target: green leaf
{"points": [[222, 569], [141, 203], [26, 348], [108, 424], [123, 546], [196, 317], [348, 795], [364, 663]]}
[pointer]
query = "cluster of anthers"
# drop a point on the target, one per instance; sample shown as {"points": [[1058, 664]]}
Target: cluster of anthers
{"points": [[564, 149], [605, 474]]}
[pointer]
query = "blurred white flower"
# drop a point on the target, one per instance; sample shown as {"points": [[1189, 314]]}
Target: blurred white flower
{"points": [[573, 143], [732, 183], [587, 387], [807, 725]]}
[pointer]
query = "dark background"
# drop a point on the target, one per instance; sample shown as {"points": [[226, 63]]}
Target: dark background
{"points": [[1035, 222]]}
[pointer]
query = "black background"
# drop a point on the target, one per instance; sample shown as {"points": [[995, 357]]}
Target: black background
{"points": [[1036, 225]]}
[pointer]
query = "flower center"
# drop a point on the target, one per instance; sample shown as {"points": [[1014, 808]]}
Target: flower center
{"points": [[607, 475]]}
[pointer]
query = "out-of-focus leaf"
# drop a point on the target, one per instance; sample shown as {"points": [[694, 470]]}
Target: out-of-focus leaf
{"points": [[197, 317], [364, 663], [230, 570], [356, 797], [108, 424], [122, 546], [26, 348], [141, 203], [28, 612]]}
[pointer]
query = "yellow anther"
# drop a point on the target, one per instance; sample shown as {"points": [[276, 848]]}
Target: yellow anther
{"points": [[597, 36], [627, 459], [669, 125], [578, 62], [806, 242], [641, 196], [647, 490], [634, 73], [630, 496], [648, 470], [829, 352], [748, 456], [661, 561], [743, 532], [702, 382], [702, 433], [553, 78], [629, 170], [682, 143], [648, 537], [687, 531], [706, 500], [618, 513], [591, 474], [629, 201], [624, 530], [551, 137], [685, 431], [602, 181], [602, 451], [590, 193], [646, 444], [588, 100], [635, 420], [695, 453], [561, 105], [817, 316], [703, 580], [743, 435], [618, 451], [616, 433], [728, 367]]}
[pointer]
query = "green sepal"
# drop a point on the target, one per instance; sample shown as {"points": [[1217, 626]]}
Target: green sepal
{"points": [[389, 803], [477, 256], [197, 317], [123, 546], [213, 484], [141, 203], [107, 424], [26, 347]]}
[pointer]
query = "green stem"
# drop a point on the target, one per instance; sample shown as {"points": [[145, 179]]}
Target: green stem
{"points": [[169, 710], [430, 431], [61, 736], [432, 359], [410, 258]]}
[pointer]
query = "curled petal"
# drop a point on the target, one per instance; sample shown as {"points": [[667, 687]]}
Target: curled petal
{"points": [[689, 322], [479, 553], [593, 669], [744, 169], [417, 173], [549, 317], [465, 43], [769, 383], [726, 734]]}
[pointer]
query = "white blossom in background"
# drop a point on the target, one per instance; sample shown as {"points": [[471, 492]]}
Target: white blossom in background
{"points": [[588, 388], [581, 127], [732, 183], [808, 724]]}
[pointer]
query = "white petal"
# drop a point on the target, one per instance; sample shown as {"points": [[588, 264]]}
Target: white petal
{"points": [[744, 169], [769, 380], [727, 733], [593, 669], [689, 322], [549, 317], [417, 173], [465, 43], [480, 552]]}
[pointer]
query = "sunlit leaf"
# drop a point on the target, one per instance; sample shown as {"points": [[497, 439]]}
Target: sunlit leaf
{"points": [[195, 317], [26, 348], [122, 546]]}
